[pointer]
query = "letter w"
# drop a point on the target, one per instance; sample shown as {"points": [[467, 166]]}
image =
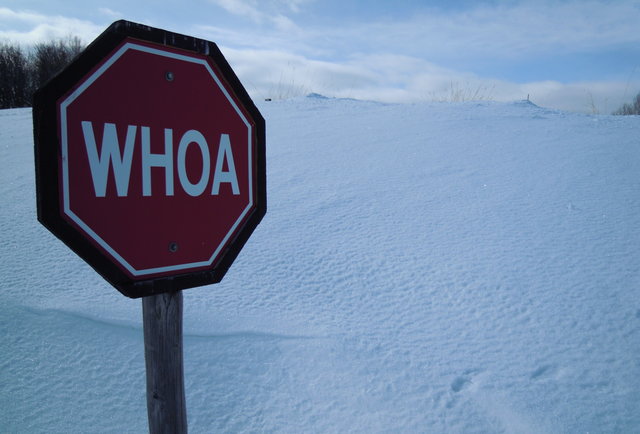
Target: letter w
{"points": [[110, 152]]}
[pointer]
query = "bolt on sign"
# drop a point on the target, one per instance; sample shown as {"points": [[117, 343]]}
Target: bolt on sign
{"points": [[150, 159]]}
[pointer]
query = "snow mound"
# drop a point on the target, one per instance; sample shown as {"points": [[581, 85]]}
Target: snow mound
{"points": [[431, 267]]}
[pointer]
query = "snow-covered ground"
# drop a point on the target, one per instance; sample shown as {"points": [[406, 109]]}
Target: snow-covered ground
{"points": [[436, 268]]}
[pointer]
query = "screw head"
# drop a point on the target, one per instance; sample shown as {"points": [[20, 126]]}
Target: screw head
{"points": [[173, 247], [169, 76]]}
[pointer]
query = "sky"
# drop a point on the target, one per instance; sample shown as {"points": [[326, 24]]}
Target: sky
{"points": [[572, 55]]}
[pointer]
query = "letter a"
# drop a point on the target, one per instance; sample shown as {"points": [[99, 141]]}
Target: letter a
{"points": [[220, 176]]}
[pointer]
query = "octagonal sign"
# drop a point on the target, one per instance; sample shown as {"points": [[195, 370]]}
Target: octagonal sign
{"points": [[150, 159]]}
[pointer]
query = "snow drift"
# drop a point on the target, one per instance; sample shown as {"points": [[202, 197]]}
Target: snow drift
{"points": [[465, 267]]}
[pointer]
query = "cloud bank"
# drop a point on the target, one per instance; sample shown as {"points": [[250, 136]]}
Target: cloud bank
{"points": [[28, 27], [493, 50]]}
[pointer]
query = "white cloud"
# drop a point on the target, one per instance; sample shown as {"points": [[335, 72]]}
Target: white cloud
{"points": [[263, 12], [294, 5], [279, 74], [110, 13], [241, 7], [396, 61], [484, 34], [26, 27], [513, 29], [395, 78]]}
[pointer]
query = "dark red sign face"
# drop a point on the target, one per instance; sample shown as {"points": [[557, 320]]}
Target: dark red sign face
{"points": [[158, 160]]}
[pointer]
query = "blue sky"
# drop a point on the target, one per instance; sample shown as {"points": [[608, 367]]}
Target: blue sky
{"points": [[574, 55]]}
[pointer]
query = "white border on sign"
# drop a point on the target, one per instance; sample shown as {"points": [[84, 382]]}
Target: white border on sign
{"points": [[65, 160]]}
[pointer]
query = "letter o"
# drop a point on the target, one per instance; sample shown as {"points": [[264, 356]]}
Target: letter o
{"points": [[193, 136]]}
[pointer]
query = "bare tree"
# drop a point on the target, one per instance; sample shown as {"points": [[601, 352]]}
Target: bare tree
{"points": [[630, 109], [49, 58], [14, 77], [21, 74]]}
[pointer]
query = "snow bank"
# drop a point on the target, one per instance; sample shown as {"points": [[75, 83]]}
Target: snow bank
{"points": [[422, 268]]}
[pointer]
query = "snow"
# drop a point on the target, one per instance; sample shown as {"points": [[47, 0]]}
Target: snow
{"points": [[458, 268]]}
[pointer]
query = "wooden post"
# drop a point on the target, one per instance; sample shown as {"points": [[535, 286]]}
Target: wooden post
{"points": [[166, 406]]}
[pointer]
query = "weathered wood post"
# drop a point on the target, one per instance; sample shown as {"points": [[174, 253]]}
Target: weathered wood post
{"points": [[166, 406]]}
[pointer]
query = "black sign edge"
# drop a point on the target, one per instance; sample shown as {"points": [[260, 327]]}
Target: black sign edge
{"points": [[46, 148]]}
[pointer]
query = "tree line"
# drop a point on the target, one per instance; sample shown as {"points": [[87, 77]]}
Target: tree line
{"points": [[632, 108], [23, 71]]}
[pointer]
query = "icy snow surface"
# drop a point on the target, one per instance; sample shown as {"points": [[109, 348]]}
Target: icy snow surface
{"points": [[435, 268]]}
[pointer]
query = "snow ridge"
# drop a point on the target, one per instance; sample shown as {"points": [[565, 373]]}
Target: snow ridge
{"points": [[453, 268]]}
